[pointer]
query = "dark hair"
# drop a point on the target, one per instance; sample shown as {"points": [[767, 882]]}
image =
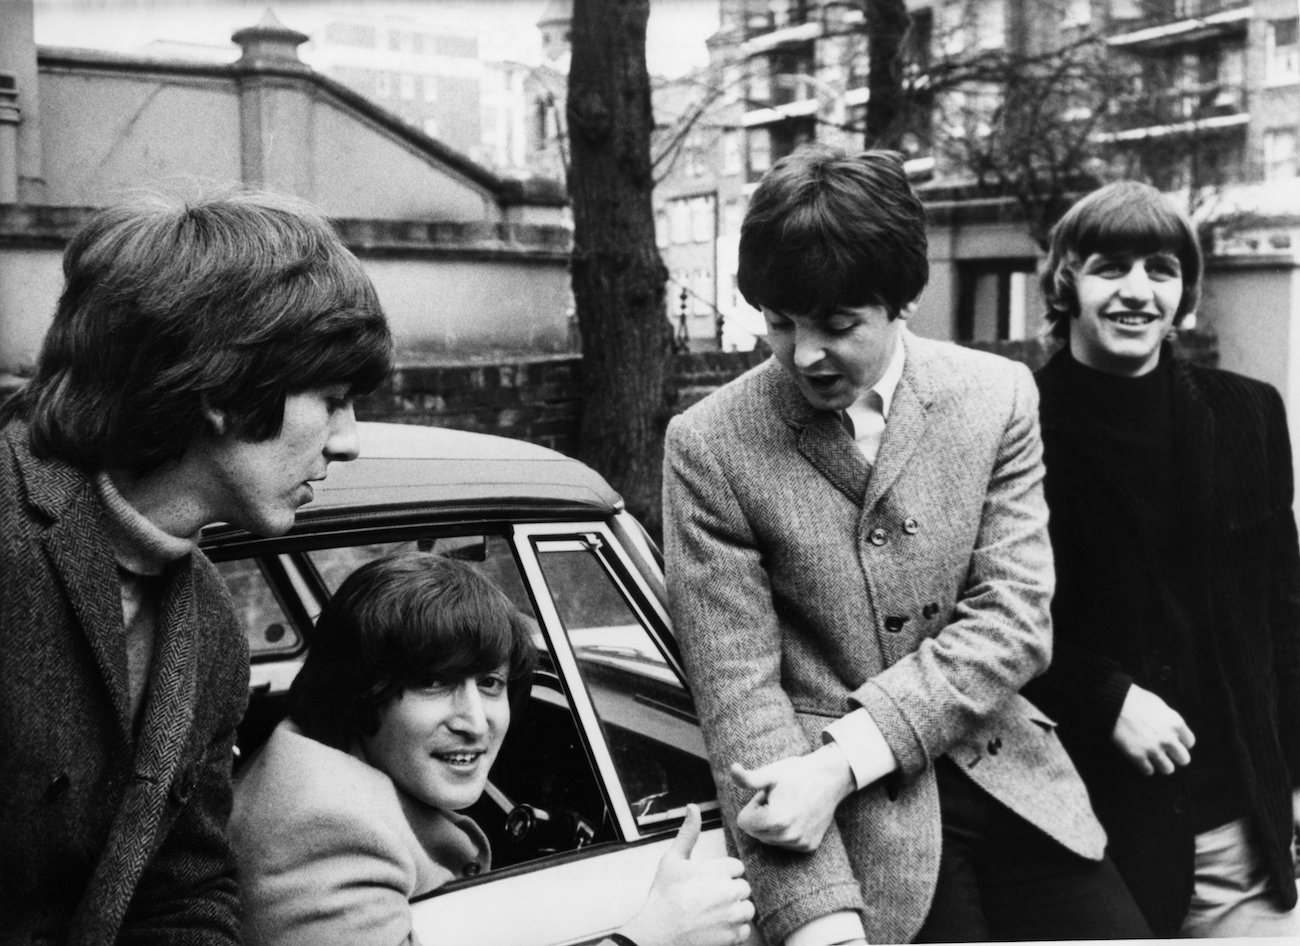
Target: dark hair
{"points": [[1121, 217], [229, 303], [825, 230], [407, 620]]}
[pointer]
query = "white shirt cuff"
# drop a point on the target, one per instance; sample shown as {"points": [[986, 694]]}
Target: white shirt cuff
{"points": [[864, 746], [828, 930]]}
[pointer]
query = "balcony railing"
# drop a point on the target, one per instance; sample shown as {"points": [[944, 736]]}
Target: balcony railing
{"points": [[1175, 22], [1215, 106]]}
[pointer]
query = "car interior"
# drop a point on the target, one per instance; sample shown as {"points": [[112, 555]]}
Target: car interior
{"points": [[545, 795]]}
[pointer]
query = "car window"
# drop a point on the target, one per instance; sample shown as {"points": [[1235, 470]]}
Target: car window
{"points": [[269, 628], [646, 713], [490, 554]]}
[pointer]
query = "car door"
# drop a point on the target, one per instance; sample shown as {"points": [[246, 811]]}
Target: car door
{"points": [[608, 636]]}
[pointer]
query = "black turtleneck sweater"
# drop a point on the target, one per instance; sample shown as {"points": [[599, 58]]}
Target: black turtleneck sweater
{"points": [[1137, 419]]}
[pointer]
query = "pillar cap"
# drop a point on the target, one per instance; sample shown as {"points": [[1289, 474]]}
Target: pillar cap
{"points": [[270, 44]]}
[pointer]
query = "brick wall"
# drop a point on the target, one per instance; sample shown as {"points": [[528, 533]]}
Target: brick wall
{"points": [[537, 399]]}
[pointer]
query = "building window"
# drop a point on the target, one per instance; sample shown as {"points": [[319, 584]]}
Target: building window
{"points": [[406, 85], [430, 89], [679, 221], [1280, 154], [993, 298], [385, 85], [1283, 51], [760, 153], [702, 215], [732, 162]]}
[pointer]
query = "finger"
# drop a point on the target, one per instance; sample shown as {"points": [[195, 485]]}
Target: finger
{"points": [[1162, 764], [1179, 754], [756, 780], [687, 834], [1185, 734], [742, 933]]}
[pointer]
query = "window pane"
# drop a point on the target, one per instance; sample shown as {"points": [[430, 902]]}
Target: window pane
{"points": [[269, 629], [646, 713]]}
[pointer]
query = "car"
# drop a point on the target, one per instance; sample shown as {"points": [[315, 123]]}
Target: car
{"points": [[597, 769]]}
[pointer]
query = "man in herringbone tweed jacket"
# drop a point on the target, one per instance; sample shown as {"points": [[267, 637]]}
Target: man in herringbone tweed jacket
{"points": [[857, 610], [200, 367]]}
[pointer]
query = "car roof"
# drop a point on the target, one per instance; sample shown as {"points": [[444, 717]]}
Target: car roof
{"points": [[409, 468]]}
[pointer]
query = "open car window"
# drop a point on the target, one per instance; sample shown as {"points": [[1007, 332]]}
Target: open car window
{"points": [[636, 692]]}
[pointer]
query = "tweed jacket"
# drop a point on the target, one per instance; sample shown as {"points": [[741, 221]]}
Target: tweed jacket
{"points": [[803, 584], [330, 852], [1233, 462], [110, 832]]}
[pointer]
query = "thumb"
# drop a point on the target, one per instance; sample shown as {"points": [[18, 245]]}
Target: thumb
{"points": [[756, 780], [687, 834]]}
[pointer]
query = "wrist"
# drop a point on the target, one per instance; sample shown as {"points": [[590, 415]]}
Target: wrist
{"points": [[834, 764]]}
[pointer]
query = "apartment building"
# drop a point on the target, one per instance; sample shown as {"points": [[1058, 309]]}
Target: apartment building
{"points": [[1202, 97]]}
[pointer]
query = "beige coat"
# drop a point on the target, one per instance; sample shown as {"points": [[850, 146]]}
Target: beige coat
{"points": [[804, 584], [330, 852]]}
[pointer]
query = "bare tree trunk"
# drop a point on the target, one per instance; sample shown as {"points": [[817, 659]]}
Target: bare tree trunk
{"points": [[618, 276], [886, 24]]}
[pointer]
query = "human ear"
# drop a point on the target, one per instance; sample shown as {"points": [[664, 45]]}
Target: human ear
{"points": [[217, 419]]}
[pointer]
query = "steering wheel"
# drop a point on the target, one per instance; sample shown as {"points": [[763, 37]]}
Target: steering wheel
{"points": [[544, 832]]}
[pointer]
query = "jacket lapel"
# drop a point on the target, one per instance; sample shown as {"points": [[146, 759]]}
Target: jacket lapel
{"points": [[84, 565], [907, 421], [170, 704]]}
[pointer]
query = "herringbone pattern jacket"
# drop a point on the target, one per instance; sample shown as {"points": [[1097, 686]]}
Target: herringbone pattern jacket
{"points": [[108, 834], [803, 584]]}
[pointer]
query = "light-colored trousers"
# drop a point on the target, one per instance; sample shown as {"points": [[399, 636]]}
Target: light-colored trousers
{"points": [[1231, 896]]}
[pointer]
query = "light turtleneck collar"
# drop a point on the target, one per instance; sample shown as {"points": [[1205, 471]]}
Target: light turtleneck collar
{"points": [[138, 544]]}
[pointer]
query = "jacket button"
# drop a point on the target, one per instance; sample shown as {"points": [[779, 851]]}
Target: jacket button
{"points": [[180, 790], [930, 610], [995, 745], [911, 526], [879, 537], [58, 787], [894, 624], [1164, 673]]}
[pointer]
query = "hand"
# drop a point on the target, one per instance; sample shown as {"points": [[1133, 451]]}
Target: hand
{"points": [[795, 798], [1151, 734], [693, 903]]}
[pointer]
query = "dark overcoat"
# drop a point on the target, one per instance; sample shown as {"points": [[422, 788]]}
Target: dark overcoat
{"points": [[1233, 463], [804, 584], [108, 833]]}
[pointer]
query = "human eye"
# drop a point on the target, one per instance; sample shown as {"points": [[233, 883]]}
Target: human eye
{"points": [[337, 399], [1166, 267], [1108, 267], [493, 684], [776, 321]]}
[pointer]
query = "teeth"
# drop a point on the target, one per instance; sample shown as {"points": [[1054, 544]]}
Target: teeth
{"points": [[461, 758]]}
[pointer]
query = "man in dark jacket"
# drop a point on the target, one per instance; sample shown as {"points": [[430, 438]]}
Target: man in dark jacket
{"points": [[200, 367], [1176, 675]]}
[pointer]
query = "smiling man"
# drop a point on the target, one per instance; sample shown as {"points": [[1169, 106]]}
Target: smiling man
{"points": [[200, 367], [1177, 671], [859, 573]]}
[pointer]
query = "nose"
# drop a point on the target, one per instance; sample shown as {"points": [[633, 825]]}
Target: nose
{"points": [[809, 348], [342, 443], [468, 716], [1135, 288]]}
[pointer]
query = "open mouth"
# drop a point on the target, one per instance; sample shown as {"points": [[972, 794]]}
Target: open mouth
{"points": [[1132, 319], [459, 759], [822, 382]]}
